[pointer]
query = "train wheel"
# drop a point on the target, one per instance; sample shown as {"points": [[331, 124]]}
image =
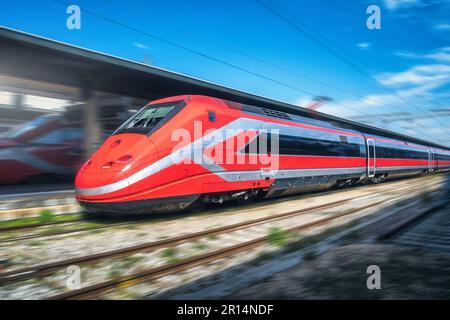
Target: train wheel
{"points": [[247, 197], [378, 179]]}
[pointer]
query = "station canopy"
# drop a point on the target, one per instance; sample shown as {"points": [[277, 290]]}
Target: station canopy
{"points": [[37, 64]]}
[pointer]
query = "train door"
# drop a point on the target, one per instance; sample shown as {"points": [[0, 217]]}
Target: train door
{"points": [[429, 160], [268, 161], [371, 158]]}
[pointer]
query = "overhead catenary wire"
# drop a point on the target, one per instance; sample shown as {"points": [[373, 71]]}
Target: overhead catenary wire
{"points": [[284, 69], [319, 39], [204, 55]]}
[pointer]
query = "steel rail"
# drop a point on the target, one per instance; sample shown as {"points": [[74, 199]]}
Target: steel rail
{"points": [[48, 268], [61, 232]]}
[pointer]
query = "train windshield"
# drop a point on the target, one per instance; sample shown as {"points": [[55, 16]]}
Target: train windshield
{"points": [[149, 118]]}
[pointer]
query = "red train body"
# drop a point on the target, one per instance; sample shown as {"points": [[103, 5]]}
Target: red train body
{"points": [[183, 149]]}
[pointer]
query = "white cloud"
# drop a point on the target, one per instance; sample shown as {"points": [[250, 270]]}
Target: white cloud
{"points": [[373, 102], [364, 45], [417, 75], [140, 45], [407, 54], [441, 55], [397, 102], [395, 4], [442, 26], [414, 89], [419, 83]]}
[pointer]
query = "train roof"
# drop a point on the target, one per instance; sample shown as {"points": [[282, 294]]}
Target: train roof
{"points": [[59, 67]]}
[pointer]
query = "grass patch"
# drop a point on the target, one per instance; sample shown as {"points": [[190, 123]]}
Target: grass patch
{"points": [[212, 237], [35, 243], [115, 273], [50, 231], [36, 220], [123, 294], [46, 215], [200, 246], [174, 260], [129, 227], [169, 253], [96, 231], [129, 261], [277, 236]]}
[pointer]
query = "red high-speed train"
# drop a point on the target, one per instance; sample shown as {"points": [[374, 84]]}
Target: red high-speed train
{"points": [[185, 149]]}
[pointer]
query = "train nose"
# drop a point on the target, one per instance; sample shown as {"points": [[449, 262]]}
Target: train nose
{"points": [[106, 174]]}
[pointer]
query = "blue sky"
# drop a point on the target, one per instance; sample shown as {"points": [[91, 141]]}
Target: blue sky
{"points": [[403, 67]]}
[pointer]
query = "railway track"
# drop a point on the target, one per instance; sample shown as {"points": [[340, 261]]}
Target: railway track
{"points": [[185, 264], [173, 268], [60, 232], [49, 233], [47, 269], [428, 230], [438, 210]]}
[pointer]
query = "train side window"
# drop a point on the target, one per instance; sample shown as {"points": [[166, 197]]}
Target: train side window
{"points": [[264, 143], [261, 144], [212, 116], [362, 150], [343, 139]]}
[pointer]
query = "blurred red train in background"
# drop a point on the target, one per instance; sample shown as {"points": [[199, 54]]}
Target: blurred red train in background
{"points": [[39, 151], [50, 148]]}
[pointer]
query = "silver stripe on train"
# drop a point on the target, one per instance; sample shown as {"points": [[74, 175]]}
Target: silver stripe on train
{"points": [[234, 176], [211, 139], [402, 168]]}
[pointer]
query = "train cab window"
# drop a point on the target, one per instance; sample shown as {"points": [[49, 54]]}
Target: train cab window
{"points": [[25, 128], [151, 117]]}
